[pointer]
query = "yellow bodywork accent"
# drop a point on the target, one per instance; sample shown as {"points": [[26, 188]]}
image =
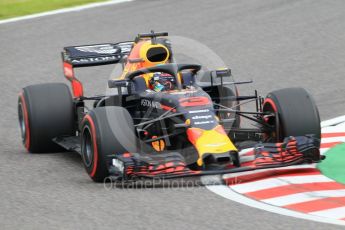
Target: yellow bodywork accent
{"points": [[140, 52], [214, 142], [146, 47]]}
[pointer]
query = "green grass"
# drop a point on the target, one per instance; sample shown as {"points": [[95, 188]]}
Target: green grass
{"points": [[15, 8], [334, 164]]}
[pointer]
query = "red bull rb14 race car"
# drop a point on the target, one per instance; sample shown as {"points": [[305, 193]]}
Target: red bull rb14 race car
{"points": [[164, 119]]}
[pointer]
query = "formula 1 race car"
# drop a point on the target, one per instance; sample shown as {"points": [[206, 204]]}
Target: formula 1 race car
{"points": [[164, 119]]}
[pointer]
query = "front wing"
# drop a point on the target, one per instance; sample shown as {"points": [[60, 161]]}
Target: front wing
{"points": [[292, 151]]}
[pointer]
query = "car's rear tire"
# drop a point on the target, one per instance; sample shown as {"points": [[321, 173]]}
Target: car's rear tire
{"points": [[297, 111], [105, 131], [45, 111]]}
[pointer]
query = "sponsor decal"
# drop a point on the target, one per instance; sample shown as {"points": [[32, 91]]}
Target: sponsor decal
{"points": [[202, 117], [125, 47], [100, 49], [203, 122], [199, 111], [148, 103], [95, 59]]}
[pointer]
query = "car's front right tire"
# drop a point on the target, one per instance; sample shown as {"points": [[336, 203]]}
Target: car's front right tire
{"points": [[297, 112]]}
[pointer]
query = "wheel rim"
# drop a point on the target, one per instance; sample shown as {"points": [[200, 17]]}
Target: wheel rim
{"points": [[87, 147], [273, 135], [22, 122]]}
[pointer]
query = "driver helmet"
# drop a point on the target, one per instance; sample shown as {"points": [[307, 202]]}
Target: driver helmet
{"points": [[162, 82], [156, 85]]}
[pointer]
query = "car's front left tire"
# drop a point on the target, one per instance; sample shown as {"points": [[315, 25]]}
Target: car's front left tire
{"points": [[105, 131]]}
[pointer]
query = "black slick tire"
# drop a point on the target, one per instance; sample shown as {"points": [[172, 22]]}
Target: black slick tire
{"points": [[297, 111], [105, 131], [45, 111]]}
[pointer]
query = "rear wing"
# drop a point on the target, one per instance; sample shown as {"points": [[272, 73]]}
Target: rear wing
{"points": [[91, 55], [98, 54]]}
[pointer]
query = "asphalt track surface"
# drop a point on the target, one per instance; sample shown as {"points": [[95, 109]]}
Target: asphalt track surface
{"points": [[276, 43]]}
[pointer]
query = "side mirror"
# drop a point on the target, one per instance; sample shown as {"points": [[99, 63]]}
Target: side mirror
{"points": [[118, 83], [216, 76], [222, 72]]}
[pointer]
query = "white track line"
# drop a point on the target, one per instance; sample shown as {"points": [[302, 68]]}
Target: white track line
{"points": [[341, 126], [335, 213], [334, 121], [227, 193], [324, 150], [333, 129], [333, 139], [277, 182], [64, 10], [304, 197]]}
